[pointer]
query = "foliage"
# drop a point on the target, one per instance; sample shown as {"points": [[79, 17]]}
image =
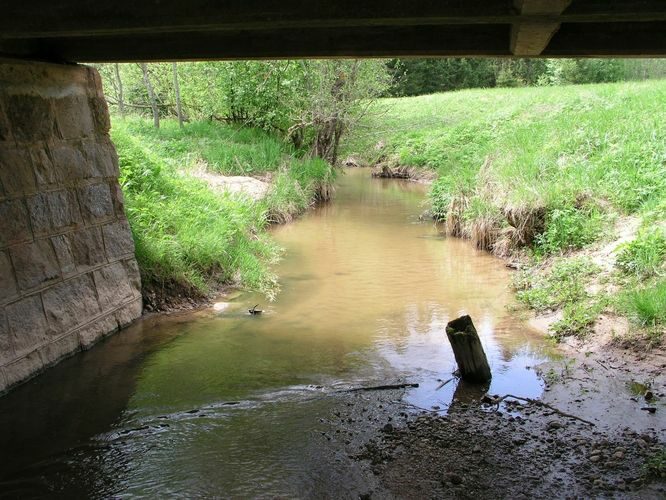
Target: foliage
{"points": [[189, 237], [656, 465], [647, 304], [426, 76], [645, 256], [561, 286], [312, 102], [569, 228]]}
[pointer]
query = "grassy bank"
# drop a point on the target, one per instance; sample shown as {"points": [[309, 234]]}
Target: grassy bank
{"points": [[549, 175], [190, 238]]}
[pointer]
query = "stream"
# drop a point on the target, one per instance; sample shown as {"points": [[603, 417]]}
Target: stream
{"points": [[221, 403]]}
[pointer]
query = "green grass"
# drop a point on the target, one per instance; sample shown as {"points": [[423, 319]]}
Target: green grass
{"points": [[189, 238], [656, 465], [533, 147], [563, 287], [645, 256], [226, 149], [647, 304], [542, 172]]}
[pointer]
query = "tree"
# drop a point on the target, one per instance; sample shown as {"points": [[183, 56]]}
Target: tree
{"points": [[336, 95], [176, 87], [151, 95], [119, 83]]}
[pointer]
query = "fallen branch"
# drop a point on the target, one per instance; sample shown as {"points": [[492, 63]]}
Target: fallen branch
{"points": [[420, 408], [380, 387], [541, 403], [601, 364], [444, 383]]}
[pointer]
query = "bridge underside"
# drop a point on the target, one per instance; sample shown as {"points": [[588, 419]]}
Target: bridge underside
{"points": [[124, 30], [68, 275]]}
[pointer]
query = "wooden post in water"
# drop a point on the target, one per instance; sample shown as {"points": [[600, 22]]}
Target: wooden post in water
{"points": [[468, 351]]}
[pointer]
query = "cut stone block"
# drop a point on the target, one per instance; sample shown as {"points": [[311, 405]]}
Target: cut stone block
{"points": [[90, 334], [118, 240], [71, 303], [87, 248], [113, 286], [35, 264], [53, 211], [8, 288], [96, 204], [16, 171], [56, 350], [27, 324], [6, 345], [74, 117], [14, 223], [31, 117]]}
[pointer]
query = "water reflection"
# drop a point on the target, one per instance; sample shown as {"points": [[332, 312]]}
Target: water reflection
{"points": [[224, 402]]}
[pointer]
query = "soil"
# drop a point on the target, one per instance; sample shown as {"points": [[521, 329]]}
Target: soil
{"points": [[477, 448], [250, 186]]}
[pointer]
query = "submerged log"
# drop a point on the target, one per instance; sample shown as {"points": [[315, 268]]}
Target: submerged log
{"points": [[468, 351]]}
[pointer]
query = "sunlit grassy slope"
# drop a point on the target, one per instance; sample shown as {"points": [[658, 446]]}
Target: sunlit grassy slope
{"points": [[189, 238], [544, 170]]}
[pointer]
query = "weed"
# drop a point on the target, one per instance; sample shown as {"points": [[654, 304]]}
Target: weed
{"points": [[646, 305], [569, 228], [645, 256], [656, 465]]}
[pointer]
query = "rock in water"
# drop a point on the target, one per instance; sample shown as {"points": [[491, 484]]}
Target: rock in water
{"points": [[468, 351]]}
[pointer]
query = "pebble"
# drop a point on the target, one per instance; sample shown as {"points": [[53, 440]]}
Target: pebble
{"points": [[619, 455], [595, 458]]}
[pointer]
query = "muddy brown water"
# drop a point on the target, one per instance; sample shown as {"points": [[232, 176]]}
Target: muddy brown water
{"points": [[219, 402]]}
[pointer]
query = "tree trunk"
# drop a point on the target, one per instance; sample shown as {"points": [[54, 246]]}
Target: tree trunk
{"points": [[151, 95], [119, 82], [468, 351], [176, 87]]}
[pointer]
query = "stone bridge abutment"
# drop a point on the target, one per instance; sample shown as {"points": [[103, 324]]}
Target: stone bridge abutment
{"points": [[68, 275]]}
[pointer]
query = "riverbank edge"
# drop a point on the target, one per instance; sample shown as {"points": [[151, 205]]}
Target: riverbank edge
{"points": [[169, 298]]}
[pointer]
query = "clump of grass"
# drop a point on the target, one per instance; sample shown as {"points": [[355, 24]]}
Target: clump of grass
{"points": [[645, 256], [656, 465], [563, 284], [297, 187], [647, 305], [187, 237]]}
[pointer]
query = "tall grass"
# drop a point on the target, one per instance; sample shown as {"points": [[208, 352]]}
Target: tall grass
{"points": [[226, 149], [190, 239], [647, 304]]}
